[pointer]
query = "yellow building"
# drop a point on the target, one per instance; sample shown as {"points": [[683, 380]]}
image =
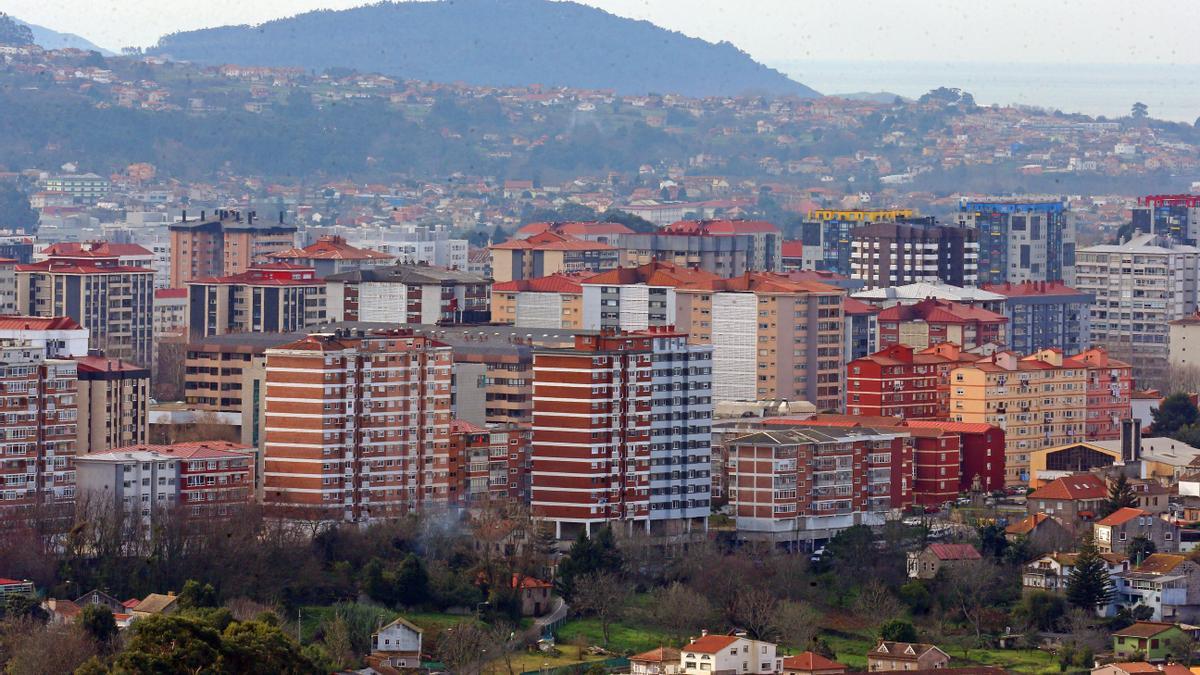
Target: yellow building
{"points": [[1038, 401], [550, 253]]}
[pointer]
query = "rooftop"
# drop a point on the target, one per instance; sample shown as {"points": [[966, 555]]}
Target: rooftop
{"points": [[329, 247], [408, 274], [1032, 288], [923, 290], [1083, 486], [20, 322]]}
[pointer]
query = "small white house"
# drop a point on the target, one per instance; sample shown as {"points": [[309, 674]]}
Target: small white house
{"points": [[397, 644], [710, 654]]}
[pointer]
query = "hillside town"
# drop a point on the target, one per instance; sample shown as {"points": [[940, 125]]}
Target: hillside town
{"points": [[830, 386]]}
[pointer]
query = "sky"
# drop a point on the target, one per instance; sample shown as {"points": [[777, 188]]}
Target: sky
{"points": [[776, 32]]}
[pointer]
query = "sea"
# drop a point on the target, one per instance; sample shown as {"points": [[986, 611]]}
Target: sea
{"points": [[1171, 91]]}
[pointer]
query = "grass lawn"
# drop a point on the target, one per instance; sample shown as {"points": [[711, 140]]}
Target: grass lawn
{"points": [[623, 638], [523, 663], [1017, 660], [851, 649]]}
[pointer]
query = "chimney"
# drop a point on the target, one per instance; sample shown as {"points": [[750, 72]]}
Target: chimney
{"points": [[281, 217], [1131, 440], [184, 218]]}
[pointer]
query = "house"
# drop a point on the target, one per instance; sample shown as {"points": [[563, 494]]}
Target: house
{"points": [[1117, 529], [712, 654], [1071, 499], [926, 564], [1150, 639], [661, 661], [1167, 583], [103, 599], [396, 645], [906, 656], [156, 603], [811, 663], [1050, 572], [535, 594], [14, 587], [61, 611], [1140, 668], [1040, 530]]}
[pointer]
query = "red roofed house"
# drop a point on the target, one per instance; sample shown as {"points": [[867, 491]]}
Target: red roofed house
{"points": [[897, 656], [330, 255], [1042, 531], [712, 654], [811, 663], [550, 253], [933, 321], [660, 661], [926, 564], [1070, 499], [267, 298], [535, 594], [1115, 531]]}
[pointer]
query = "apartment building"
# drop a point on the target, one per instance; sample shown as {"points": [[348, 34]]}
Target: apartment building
{"points": [[1022, 238], [330, 254], [894, 254], [636, 298], [1045, 315], [902, 381], [82, 188], [37, 400], [411, 294], [931, 322], [8, 286], [861, 326], [204, 479], [805, 484], [772, 337], [224, 245], [601, 232], [113, 301], [1040, 401], [1139, 286], [1109, 393], [412, 244], [266, 298], [357, 425], [827, 234], [61, 336], [170, 311], [489, 464], [112, 402], [1183, 343], [225, 375], [1174, 216], [127, 255], [550, 253], [555, 301], [725, 248]]}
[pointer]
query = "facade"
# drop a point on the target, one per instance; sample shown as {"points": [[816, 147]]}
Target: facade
{"points": [[1022, 239], [1051, 572], [981, 453], [555, 302], [772, 338], [267, 298], [206, 479], [894, 254], [113, 301], [357, 425], [621, 432], [223, 246], [712, 654], [804, 484], [726, 248], [113, 401], [82, 188], [1183, 343], [396, 647], [225, 379], [1174, 216], [1167, 583], [906, 656], [1140, 286], [61, 336], [903, 381], [8, 286], [38, 443], [489, 463], [1045, 315], [408, 294], [550, 253], [827, 232], [170, 311], [926, 563], [931, 322], [331, 255], [861, 324], [1150, 639], [1115, 531], [1071, 499]]}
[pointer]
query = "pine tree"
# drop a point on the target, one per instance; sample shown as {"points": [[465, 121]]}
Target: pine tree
{"points": [[1089, 587], [1120, 496]]}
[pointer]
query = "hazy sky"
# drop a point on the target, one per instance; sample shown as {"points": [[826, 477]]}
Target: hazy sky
{"points": [[773, 31]]}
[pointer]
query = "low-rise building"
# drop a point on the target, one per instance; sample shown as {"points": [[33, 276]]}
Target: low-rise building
{"points": [[331, 254], [396, 645], [931, 322], [928, 562], [1052, 571], [1167, 583], [710, 654], [407, 294], [1118, 529], [1071, 499], [1150, 639], [660, 661], [811, 663], [906, 656]]}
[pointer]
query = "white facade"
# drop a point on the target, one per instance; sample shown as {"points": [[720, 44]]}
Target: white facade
{"points": [[740, 655], [399, 643], [539, 310], [627, 307], [413, 244], [62, 343], [138, 481], [681, 431], [735, 341]]}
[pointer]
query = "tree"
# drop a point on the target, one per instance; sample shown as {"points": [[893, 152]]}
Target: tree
{"points": [[35, 649], [796, 623], [603, 595], [170, 645], [1139, 111], [754, 610], [194, 595], [588, 555], [1140, 548], [1120, 496], [1040, 610], [680, 611], [1183, 648], [898, 630], [259, 648], [916, 596], [98, 622], [13, 33], [464, 647], [412, 582], [876, 604], [1176, 411], [1089, 586], [15, 211]]}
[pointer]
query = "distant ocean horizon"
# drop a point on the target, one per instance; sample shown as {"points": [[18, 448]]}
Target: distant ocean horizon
{"points": [[1171, 91]]}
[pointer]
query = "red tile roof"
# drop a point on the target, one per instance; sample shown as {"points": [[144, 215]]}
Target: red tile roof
{"points": [[18, 322], [165, 293], [95, 249], [1085, 486], [954, 427], [940, 311], [792, 249], [458, 426], [10, 582], [655, 273], [1031, 288], [575, 229], [660, 655], [954, 552], [852, 306], [70, 267], [1027, 524], [100, 364], [1144, 629], [330, 247], [551, 241], [709, 644], [555, 283], [810, 661], [189, 450], [1122, 515]]}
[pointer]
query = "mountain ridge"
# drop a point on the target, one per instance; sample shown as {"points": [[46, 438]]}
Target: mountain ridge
{"points": [[490, 43], [48, 38]]}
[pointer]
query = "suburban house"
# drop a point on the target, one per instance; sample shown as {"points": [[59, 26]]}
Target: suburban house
{"points": [[1149, 638], [102, 599], [1168, 583], [1070, 499], [156, 603], [1117, 529], [535, 594], [396, 646], [926, 563], [661, 661], [811, 663], [1050, 572], [906, 656], [61, 611], [711, 654], [1040, 530], [1141, 668]]}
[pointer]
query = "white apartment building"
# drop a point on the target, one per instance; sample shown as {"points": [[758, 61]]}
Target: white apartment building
{"points": [[60, 337], [1140, 286], [413, 244], [627, 307]]}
